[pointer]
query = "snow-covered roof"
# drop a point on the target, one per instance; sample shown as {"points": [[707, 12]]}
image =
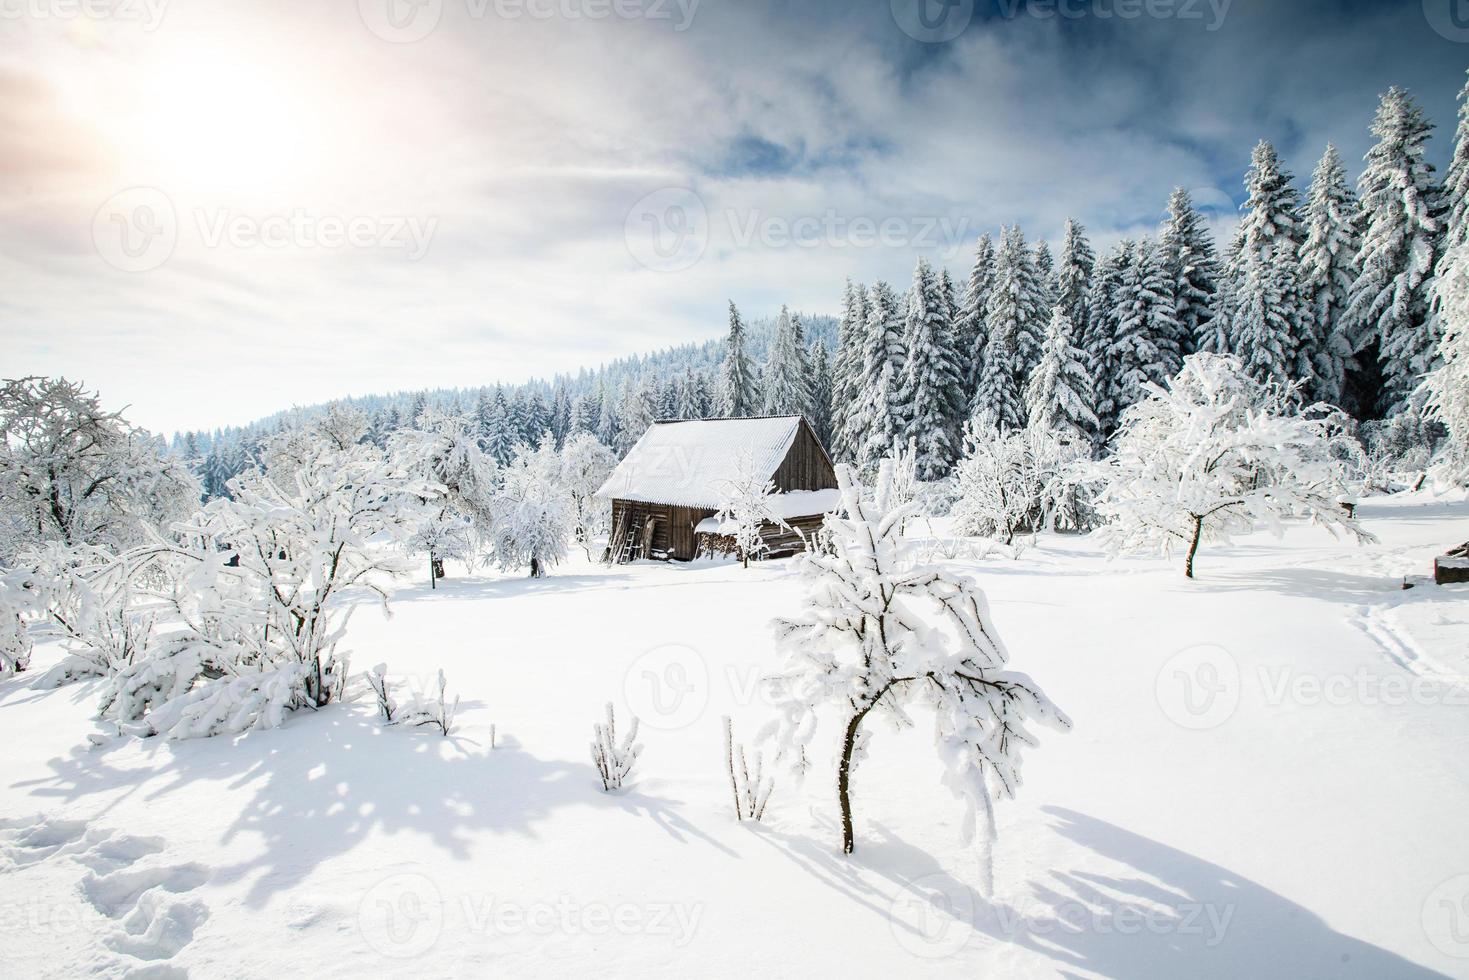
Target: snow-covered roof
{"points": [[693, 463], [796, 503]]}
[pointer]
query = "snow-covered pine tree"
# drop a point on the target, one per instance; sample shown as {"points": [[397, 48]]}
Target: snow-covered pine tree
{"points": [[969, 333], [1074, 276], [846, 381], [1104, 308], [495, 435], [1388, 305], [609, 424], [1059, 396], [1189, 261], [1013, 335], [1448, 385], [1455, 198], [819, 414], [878, 421], [736, 376], [866, 644], [1266, 326], [930, 383], [1328, 267], [1045, 275], [787, 376], [1145, 347], [1218, 336], [1266, 314]]}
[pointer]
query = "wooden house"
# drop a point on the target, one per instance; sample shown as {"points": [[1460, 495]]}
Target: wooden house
{"points": [[666, 492]]}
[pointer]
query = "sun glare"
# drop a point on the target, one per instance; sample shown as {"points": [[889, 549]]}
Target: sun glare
{"points": [[213, 124]]}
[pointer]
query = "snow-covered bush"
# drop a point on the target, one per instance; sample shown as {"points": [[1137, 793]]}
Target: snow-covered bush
{"points": [[1219, 453], [1022, 481], [751, 789], [532, 515], [1448, 385], [431, 709], [878, 635], [747, 507], [255, 587], [387, 706], [17, 601], [73, 473], [585, 465], [614, 760]]}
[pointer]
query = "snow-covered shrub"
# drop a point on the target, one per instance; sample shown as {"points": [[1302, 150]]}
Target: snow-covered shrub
{"points": [[250, 699], [532, 515], [585, 465], [751, 789], [17, 600], [73, 473], [255, 587], [878, 635], [431, 709], [746, 508], [1219, 453], [377, 679], [1022, 481], [614, 760]]}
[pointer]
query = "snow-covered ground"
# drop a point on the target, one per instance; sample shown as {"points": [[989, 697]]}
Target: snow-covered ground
{"points": [[1268, 776]]}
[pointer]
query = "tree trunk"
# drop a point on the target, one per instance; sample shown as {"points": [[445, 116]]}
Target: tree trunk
{"points": [[535, 568], [1193, 547], [433, 579], [844, 779]]}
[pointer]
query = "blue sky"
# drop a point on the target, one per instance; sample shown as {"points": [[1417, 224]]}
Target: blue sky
{"points": [[215, 210]]}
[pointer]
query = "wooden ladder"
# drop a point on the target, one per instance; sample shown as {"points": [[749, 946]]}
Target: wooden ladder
{"points": [[625, 542]]}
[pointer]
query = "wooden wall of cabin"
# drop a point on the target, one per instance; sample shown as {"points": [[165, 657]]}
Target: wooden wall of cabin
{"points": [[806, 466], [674, 532]]}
